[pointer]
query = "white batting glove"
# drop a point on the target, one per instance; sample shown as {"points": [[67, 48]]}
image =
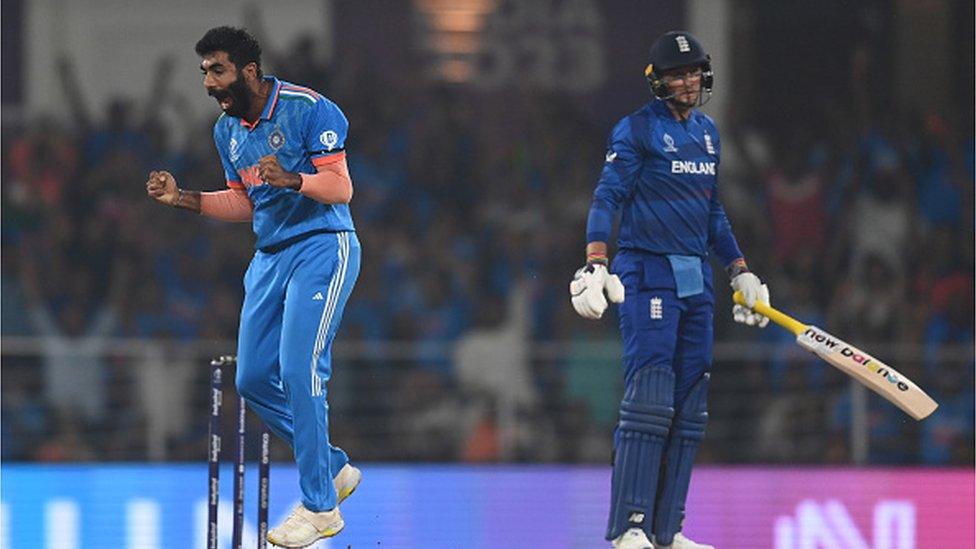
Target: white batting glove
{"points": [[752, 290], [588, 288], [750, 286]]}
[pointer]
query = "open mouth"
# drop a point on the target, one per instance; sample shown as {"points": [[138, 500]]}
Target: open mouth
{"points": [[223, 98]]}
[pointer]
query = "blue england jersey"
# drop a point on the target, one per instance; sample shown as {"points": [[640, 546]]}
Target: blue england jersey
{"points": [[663, 174], [303, 130]]}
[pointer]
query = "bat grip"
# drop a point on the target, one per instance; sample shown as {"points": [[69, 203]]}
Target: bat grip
{"points": [[778, 317]]}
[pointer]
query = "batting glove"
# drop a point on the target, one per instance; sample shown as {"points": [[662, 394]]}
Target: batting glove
{"points": [[588, 288], [753, 290]]}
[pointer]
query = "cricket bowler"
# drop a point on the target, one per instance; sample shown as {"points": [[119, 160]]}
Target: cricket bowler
{"points": [[282, 150]]}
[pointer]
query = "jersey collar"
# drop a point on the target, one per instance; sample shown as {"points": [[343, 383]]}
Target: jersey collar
{"points": [[660, 106], [269, 104]]}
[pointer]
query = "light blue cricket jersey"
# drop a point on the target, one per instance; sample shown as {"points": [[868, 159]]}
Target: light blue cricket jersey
{"points": [[303, 130]]}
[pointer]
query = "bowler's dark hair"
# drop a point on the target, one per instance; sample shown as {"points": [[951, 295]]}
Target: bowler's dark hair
{"points": [[241, 47]]}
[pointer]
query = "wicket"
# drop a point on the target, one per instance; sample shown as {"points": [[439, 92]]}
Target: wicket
{"points": [[217, 366]]}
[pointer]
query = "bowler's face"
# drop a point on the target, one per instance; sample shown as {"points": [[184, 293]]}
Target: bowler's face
{"points": [[225, 83]]}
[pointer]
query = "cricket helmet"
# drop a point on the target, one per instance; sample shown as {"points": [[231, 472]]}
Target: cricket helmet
{"points": [[675, 49]]}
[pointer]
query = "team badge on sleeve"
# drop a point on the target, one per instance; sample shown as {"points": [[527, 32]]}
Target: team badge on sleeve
{"points": [[329, 138], [276, 139]]}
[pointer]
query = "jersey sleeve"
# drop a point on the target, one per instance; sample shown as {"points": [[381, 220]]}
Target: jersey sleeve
{"points": [[222, 142], [325, 135], [720, 236], [620, 168]]}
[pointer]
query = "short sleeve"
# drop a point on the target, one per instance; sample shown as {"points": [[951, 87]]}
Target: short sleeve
{"points": [[223, 149], [325, 138]]}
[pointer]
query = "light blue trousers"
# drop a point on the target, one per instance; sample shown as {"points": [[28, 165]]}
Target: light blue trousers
{"points": [[293, 303]]}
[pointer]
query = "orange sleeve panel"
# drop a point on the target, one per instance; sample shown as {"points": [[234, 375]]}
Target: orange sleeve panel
{"points": [[332, 184], [227, 205], [320, 161]]}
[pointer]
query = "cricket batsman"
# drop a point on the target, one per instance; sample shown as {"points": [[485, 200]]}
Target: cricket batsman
{"points": [[282, 149], [661, 171]]}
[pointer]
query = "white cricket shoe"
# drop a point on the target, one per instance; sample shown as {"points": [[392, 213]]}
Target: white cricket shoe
{"points": [[681, 542], [634, 538], [346, 481], [303, 527]]}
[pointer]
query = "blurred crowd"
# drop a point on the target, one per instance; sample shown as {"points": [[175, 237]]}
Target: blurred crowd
{"points": [[471, 209]]}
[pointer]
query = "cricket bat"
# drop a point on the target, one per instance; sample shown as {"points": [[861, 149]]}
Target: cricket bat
{"points": [[871, 372]]}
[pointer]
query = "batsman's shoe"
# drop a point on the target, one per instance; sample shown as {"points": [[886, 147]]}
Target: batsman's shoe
{"points": [[303, 527], [346, 481], [634, 538], [681, 542]]}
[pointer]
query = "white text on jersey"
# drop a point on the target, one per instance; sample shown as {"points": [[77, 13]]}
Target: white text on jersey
{"points": [[696, 168]]}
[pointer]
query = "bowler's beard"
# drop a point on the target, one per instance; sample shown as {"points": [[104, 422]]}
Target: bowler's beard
{"points": [[239, 95]]}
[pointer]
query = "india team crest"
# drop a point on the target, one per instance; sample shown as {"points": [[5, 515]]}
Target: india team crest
{"points": [[329, 138], [276, 139]]}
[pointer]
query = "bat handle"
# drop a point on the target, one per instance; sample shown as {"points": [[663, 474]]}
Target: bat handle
{"points": [[778, 317]]}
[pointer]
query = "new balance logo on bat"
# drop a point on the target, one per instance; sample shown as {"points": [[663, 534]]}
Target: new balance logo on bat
{"points": [[874, 374], [823, 343]]}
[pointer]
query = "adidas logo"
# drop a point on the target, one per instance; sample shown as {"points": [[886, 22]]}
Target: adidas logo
{"points": [[317, 296]]}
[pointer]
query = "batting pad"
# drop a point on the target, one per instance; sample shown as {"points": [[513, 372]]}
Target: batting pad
{"points": [[686, 435], [645, 419]]}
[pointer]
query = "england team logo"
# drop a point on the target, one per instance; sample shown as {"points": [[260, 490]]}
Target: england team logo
{"points": [[708, 144], [669, 144], [657, 308], [329, 138], [276, 139], [683, 45]]}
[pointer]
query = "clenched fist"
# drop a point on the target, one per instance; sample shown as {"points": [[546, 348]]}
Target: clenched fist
{"points": [[162, 187], [273, 174]]}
